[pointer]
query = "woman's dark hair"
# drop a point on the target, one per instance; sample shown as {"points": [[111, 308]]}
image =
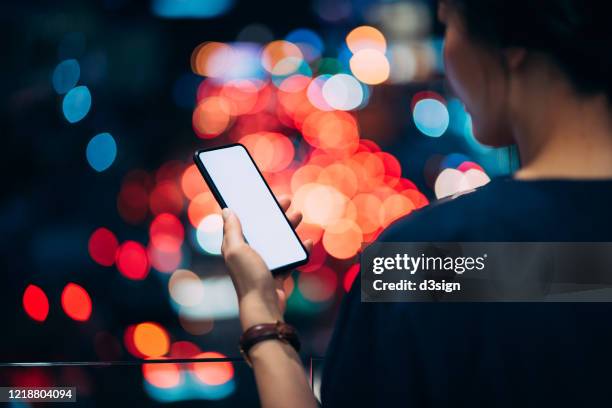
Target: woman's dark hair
{"points": [[575, 34]]}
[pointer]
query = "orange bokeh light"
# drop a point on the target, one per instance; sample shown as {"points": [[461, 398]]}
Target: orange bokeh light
{"points": [[213, 373], [342, 239], [364, 38], [192, 182], [271, 151], [76, 302], [151, 340], [281, 57], [211, 117], [394, 207], [202, 205], [211, 59], [370, 66]]}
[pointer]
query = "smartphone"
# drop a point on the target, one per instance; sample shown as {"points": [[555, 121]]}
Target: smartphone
{"points": [[237, 183]]}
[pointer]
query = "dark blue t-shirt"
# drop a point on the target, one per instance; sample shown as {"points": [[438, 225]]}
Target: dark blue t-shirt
{"points": [[482, 354]]}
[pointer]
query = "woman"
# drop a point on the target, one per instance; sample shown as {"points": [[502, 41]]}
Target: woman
{"points": [[534, 73]]}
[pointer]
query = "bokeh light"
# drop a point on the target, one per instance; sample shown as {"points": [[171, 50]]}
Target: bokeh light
{"points": [[166, 232], [66, 75], [132, 260], [35, 303], [190, 8], [76, 302], [151, 339], [186, 288], [366, 38], [103, 246], [281, 57], [318, 286], [101, 151], [211, 117], [431, 117], [370, 66], [342, 92], [162, 375], [76, 104], [213, 373], [210, 234]]}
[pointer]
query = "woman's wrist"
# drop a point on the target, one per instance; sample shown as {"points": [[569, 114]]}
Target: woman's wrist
{"points": [[255, 309]]}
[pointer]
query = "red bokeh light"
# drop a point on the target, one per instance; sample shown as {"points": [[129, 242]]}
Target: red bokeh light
{"points": [[166, 232], [76, 302], [132, 260], [36, 303], [164, 375], [166, 197], [349, 277], [103, 246], [318, 286]]}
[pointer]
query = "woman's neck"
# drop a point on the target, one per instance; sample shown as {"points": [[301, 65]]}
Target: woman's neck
{"points": [[565, 136]]}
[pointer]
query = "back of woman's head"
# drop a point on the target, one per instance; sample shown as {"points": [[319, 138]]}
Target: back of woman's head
{"points": [[575, 34]]}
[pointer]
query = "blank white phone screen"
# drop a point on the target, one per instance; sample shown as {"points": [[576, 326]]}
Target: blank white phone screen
{"points": [[244, 191]]}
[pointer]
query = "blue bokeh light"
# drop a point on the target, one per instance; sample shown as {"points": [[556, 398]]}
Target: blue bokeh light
{"points": [[101, 151], [431, 117], [77, 103], [190, 8], [308, 41], [66, 75]]}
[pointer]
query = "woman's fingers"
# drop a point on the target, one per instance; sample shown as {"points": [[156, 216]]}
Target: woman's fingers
{"points": [[232, 230], [294, 219], [308, 245], [285, 203]]}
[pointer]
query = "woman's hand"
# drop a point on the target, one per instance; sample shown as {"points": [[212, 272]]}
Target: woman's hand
{"points": [[261, 297]]}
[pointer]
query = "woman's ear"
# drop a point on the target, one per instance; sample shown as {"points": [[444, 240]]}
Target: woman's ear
{"points": [[515, 56]]}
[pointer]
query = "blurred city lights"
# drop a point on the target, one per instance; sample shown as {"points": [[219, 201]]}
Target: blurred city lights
{"points": [[35, 303], [133, 199], [76, 302], [349, 277], [431, 117], [101, 151], [186, 288], [166, 197], [76, 104], [219, 301], [211, 116], [190, 8], [213, 373], [342, 92], [150, 339], [132, 260], [166, 232], [209, 234], [66, 75], [318, 286], [370, 66], [192, 182], [452, 181], [202, 205], [162, 375], [103, 246], [366, 38], [308, 41]]}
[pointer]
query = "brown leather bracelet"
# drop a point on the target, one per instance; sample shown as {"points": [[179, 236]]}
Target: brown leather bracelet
{"points": [[268, 331]]}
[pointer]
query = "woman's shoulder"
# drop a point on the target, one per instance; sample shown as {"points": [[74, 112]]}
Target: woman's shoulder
{"points": [[511, 210]]}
